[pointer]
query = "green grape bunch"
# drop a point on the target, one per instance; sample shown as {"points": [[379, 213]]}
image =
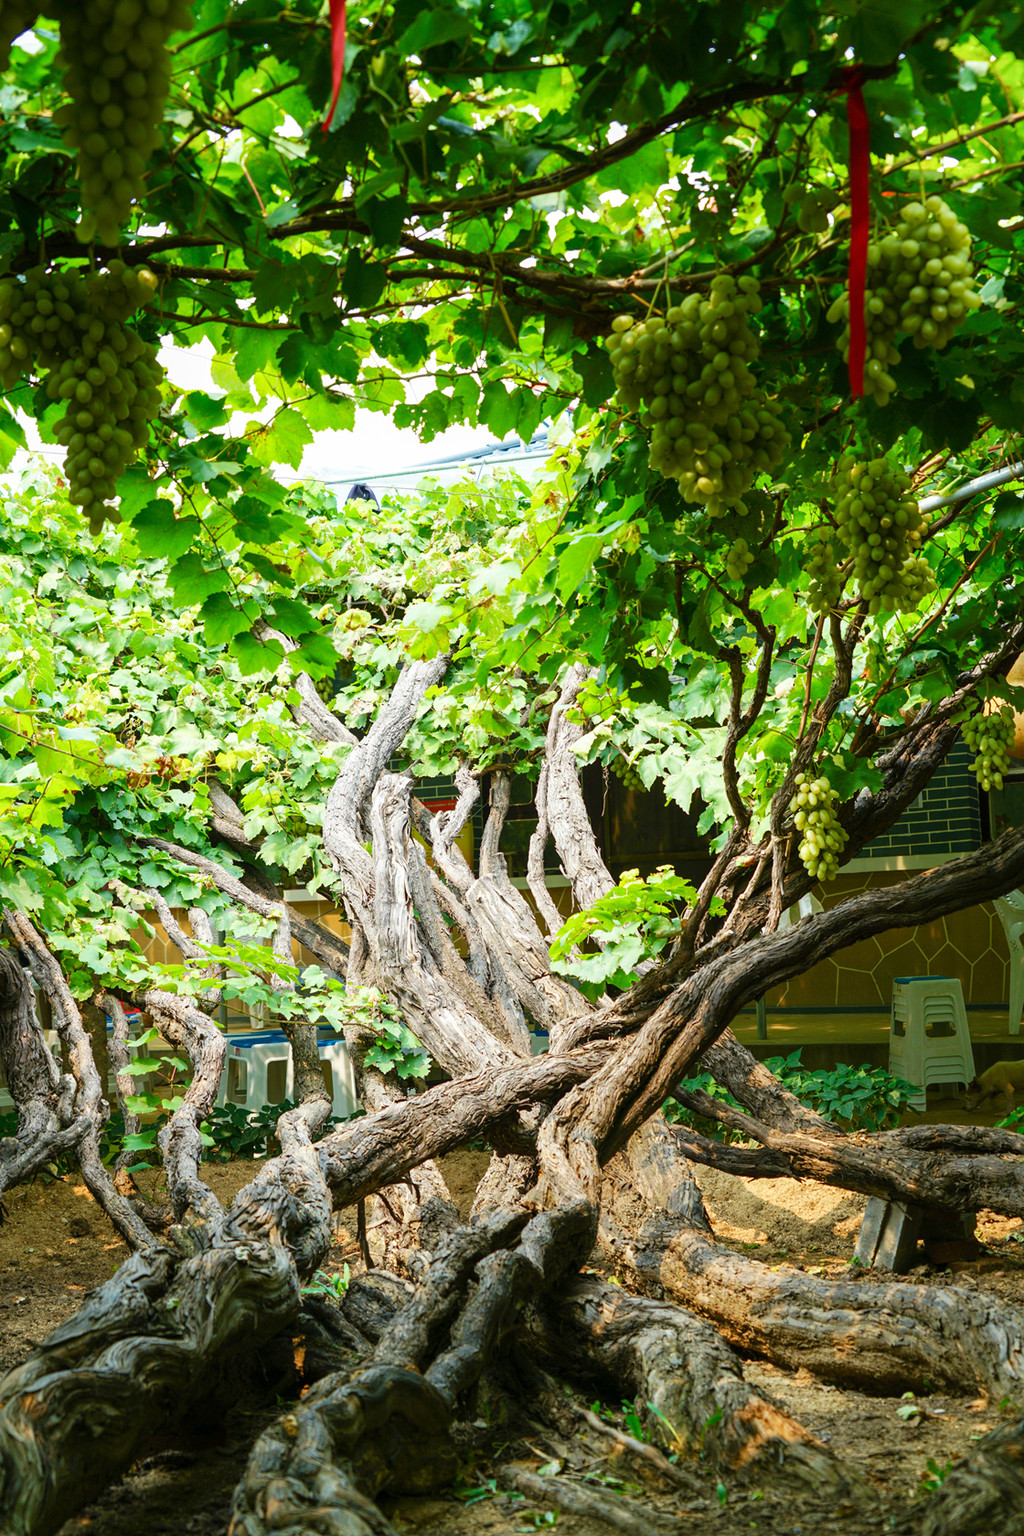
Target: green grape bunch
{"points": [[117, 71], [826, 580], [813, 808], [813, 209], [991, 738], [67, 327], [624, 770], [919, 283], [738, 560], [688, 375], [881, 525]]}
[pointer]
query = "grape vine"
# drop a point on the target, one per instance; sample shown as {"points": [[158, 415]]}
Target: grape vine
{"points": [[688, 373], [68, 328], [919, 283]]}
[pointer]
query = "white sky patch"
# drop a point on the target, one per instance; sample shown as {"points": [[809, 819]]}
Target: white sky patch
{"points": [[374, 447], [189, 367], [373, 450]]}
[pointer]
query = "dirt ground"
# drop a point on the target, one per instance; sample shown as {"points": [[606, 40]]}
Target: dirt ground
{"points": [[55, 1246]]}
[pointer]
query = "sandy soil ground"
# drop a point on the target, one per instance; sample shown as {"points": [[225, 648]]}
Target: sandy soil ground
{"points": [[55, 1246]]}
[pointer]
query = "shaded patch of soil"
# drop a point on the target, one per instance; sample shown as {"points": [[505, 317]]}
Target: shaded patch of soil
{"points": [[462, 1171]]}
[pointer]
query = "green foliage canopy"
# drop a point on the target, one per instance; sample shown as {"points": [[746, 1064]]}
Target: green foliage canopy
{"points": [[500, 180]]}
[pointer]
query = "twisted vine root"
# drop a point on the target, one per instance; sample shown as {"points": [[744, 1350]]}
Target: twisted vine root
{"points": [[316, 1469]]}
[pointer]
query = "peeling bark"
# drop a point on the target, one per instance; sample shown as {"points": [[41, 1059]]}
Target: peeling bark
{"points": [[47, 1125], [687, 1383], [881, 1337], [570, 825], [90, 1106], [388, 1425]]}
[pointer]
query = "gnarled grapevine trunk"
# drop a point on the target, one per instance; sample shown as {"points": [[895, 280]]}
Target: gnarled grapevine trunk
{"points": [[576, 1154], [887, 1338]]}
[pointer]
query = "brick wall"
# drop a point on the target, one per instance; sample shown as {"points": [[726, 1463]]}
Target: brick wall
{"points": [[945, 819]]}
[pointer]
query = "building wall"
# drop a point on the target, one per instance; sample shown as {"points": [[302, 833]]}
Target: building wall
{"points": [[946, 818], [637, 829], [943, 822], [969, 944]]}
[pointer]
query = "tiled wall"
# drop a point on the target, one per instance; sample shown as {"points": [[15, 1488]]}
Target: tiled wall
{"points": [[969, 944]]}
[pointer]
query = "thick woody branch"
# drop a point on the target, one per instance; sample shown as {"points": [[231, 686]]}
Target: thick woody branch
{"points": [[90, 1105], [693, 1016], [330, 951], [350, 794], [120, 1060], [436, 1012], [180, 1022], [535, 877], [883, 1336], [311, 711], [227, 820], [42, 1097], [577, 847]]}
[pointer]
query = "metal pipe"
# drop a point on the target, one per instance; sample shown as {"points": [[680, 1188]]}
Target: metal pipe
{"points": [[983, 483], [444, 466]]}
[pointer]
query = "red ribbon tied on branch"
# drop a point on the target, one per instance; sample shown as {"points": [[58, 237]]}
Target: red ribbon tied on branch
{"points": [[860, 224], [337, 55]]}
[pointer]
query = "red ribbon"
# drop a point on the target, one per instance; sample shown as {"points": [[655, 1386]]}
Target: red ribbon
{"points": [[860, 223], [337, 55]]}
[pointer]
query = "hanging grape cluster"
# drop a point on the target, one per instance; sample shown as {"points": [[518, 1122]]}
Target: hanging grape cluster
{"points": [[826, 581], [919, 283], [991, 737], [623, 769], [117, 70], [881, 525], [813, 808], [738, 560], [68, 328], [688, 374]]}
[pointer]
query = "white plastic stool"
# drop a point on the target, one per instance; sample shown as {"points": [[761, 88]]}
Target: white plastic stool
{"points": [[259, 1071], [1011, 914], [805, 907], [255, 1069], [339, 1077], [928, 1037]]}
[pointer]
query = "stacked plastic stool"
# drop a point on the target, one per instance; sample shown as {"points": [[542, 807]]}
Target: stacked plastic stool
{"points": [[1010, 909], [928, 1037], [259, 1070]]}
